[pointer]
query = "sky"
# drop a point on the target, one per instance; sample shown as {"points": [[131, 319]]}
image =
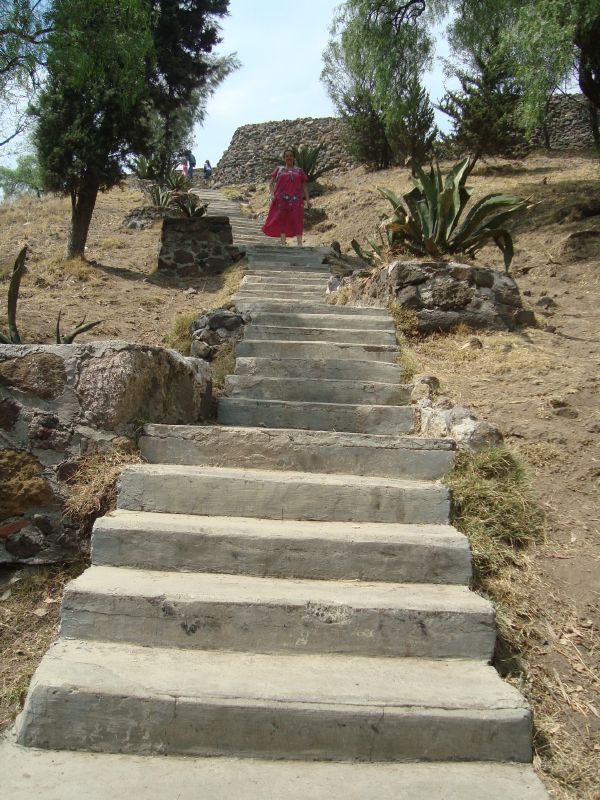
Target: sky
{"points": [[280, 45]]}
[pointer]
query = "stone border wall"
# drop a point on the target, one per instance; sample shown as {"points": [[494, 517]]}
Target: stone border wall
{"points": [[246, 160]]}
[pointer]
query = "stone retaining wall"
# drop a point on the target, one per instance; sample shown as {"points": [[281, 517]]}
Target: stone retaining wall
{"points": [[569, 123], [61, 402], [246, 160], [196, 246]]}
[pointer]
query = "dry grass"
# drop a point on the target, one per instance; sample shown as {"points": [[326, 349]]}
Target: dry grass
{"points": [[93, 487], [180, 335], [222, 365], [494, 506], [29, 611]]}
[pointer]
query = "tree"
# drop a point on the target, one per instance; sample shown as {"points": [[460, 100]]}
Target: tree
{"points": [[181, 74], [372, 61], [111, 85], [483, 113], [25, 178], [415, 131], [23, 33], [90, 110]]}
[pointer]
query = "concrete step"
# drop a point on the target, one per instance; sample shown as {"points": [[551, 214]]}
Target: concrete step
{"points": [[331, 334], [209, 611], [411, 457], [251, 348], [60, 774], [103, 696], [283, 292], [317, 391], [347, 321], [316, 416], [280, 495], [271, 548], [319, 369], [254, 304], [260, 278]]}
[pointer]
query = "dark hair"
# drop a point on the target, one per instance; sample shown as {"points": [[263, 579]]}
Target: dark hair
{"points": [[288, 150]]}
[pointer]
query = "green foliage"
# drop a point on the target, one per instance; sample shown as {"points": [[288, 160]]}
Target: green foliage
{"points": [[190, 205], [177, 181], [25, 178], [426, 220], [310, 159], [160, 196], [483, 113], [372, 64], [143, 168], [13, 336]]}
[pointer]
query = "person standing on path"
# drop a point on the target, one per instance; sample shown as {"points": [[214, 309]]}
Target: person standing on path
{"points": [[288, 190]]}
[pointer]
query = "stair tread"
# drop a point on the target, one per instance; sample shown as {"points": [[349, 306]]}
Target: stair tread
{"points": [[216, 676], [199, 587], [60, 774]]}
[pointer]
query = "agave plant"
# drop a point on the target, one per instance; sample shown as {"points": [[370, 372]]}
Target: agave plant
{"points": [[160, 196], [177, 181], [307, 159], [189, 203], [13, 337], [427, 220]]}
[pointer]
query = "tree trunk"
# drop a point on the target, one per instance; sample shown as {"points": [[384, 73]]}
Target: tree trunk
{"points": [[82, 208]]}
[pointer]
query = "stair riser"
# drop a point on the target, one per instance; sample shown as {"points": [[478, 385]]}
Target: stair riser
{"points": [[64, 720], [334, 368], [159, 621], [272, 332], [317, 417], [347, 321], [249, 348], [302, 280], [311, 391], [280, 450], [316, 559], [275, 265], [286, 306], [289, 499], [283, 293]]}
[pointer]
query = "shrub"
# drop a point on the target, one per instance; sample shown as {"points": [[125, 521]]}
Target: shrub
{"points": [[426, 220]]}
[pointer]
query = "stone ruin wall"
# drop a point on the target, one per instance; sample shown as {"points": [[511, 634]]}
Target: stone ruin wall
{"points": [[246, 160]]}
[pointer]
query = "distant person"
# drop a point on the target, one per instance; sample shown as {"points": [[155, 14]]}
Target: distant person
{"points": [[184, 167], [207, 169], [191, 161], [288, 189]]}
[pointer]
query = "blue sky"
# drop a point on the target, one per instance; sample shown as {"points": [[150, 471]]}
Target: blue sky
{"points": [[280, 44]]}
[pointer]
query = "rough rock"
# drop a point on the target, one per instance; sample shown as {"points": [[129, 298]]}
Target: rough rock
{"points": [[59, 402], [441, 420]]}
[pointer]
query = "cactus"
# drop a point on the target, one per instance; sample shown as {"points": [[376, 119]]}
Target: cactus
{"points": [[13, 337]]}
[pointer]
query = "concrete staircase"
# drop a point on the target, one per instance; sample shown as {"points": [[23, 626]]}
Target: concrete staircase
{"points": [[281, 594]]}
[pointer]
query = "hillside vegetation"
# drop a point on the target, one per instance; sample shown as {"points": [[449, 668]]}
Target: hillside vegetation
{"points": [[539, 385]]}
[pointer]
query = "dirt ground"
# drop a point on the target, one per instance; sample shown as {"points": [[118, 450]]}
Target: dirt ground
{"points": [[540, 386]]}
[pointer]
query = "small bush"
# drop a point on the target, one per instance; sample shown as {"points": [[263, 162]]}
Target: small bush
{"points": [[180, 335]]}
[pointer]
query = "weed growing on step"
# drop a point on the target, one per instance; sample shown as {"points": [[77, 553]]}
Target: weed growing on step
{"points": [[223, 364], [93, 488]]}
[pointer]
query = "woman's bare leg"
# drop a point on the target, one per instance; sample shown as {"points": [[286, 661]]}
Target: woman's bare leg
{"points": [[299, 240], [283, 239]]}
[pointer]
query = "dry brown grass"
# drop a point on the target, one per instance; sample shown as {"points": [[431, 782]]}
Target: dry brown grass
{"points": [[222, 365], [93, 487], [29, 611]]}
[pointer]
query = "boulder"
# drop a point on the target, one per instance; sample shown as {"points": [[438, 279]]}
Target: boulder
{"points": [[59, 402]]}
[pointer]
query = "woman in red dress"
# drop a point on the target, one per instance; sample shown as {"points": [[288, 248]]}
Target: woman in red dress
{"points": [[289, 191]]}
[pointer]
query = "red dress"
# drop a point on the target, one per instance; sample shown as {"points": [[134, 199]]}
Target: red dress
{"points": [[286, 214]]}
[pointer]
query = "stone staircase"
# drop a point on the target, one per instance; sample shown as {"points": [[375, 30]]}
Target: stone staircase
{"points": [[280, 598]]}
